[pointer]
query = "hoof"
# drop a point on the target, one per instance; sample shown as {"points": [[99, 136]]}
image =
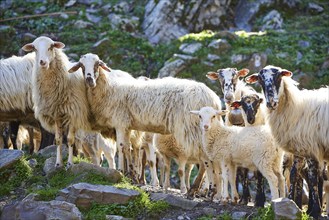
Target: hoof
{"points": [[68, 166], [58, 165]]}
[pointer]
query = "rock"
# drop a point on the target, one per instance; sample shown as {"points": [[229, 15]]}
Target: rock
{"points": [[238, 58], [190, 48], [314, 8], [32, 197], [304, 44], [209, 211], [325, 65], [40, 210], [121, 7], [165, 20], [184, 57], [28, 37], [111, 175], [93, 18], [213, 57], [172, 68], [49, 166], [82, 24], [100, 45], [70, 3], [220, 44], [208, 63], [238, 215], [33, 162], [89, 2], [285, 208], [126, 24], [272, 21], [5, 4], [299, 57], [40, 10], [51, 151], [246, 10], [174, 200], [257, 62], [9, 157], [116, 217], [84, 194]]}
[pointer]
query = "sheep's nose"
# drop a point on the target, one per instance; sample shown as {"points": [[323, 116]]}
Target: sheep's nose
{"points": [[206, 127], [43, 63]]}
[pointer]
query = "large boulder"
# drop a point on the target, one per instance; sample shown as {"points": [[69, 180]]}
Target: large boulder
{"points": [[9, 157], [84, 194], [40, 210], [175, 201], [285, 208], [165, 20], [51, 151]]}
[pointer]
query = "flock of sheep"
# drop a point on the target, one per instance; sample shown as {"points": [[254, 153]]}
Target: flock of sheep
{"points": [[108, 111]]}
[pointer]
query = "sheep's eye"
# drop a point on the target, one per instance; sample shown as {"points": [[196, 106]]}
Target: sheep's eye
{"points": [[200, 116], [213, 117]]}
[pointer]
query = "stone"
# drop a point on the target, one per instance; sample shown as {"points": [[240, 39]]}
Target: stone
{"points": [[70, 3], [122, 7], [40, 10], [51, 151], [285, 208], [93, 18], [111, 175], [40, 210], [28, 37], [32, 197], [209, 211], [220, 44], [172, 68], [102, 43], [49, 166], [174, 200], [304, 44], [190, 48], [246, 10], [315, 8], [238, 58], [119, 22], [238, 215], [272, 21], [184, 57], [213, 57], [9, 157], [82, 24], [257, 62], [116, 217], [89, 2], [84, 194], [299, 57], [33, 162], [5, 4]]}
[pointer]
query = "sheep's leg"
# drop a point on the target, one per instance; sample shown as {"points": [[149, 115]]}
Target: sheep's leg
{"points": [[110, 158], [13, 130], [181, 174], [197, 184], [260, 194], [151, 158], [218, 181], [46, 138], [296, 182], [59, 141], [210, 174], [141, 166], [166, 161], [160, 165], [243, 173], [188, 175], [314, 209], [225, 171], [5, 136], [231, 178], [70, 143], [31, 141], [123, 146], [272, 180]]}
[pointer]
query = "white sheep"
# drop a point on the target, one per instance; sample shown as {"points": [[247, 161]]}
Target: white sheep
{"points": [[59, 97], [159, 105], [93, 145], [299, 121], [250, 147], [15, 83]]}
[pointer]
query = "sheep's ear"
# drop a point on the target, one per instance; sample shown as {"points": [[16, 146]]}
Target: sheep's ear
{"points": [[252, 79], [243, 72], [236, 104], [212, 75], [75, 67], [194, 112], [104, 66], [28, 47], [222, 112], [58, 45], [286, 73]]}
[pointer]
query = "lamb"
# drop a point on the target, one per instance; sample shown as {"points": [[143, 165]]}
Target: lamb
{"points": [[256, 144], [298, 120], [93, 145], [158, 106], [60, 102]]}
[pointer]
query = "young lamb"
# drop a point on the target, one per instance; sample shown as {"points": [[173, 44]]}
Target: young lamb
{"points": [[298, 120], [252, 147], [60, 101], [158, 105]]}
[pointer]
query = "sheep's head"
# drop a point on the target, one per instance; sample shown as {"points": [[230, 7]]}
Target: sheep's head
{"points": [[228, 79], [207, 116], [250, 105], [44, 49], [270, 78], [90, 64]]}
